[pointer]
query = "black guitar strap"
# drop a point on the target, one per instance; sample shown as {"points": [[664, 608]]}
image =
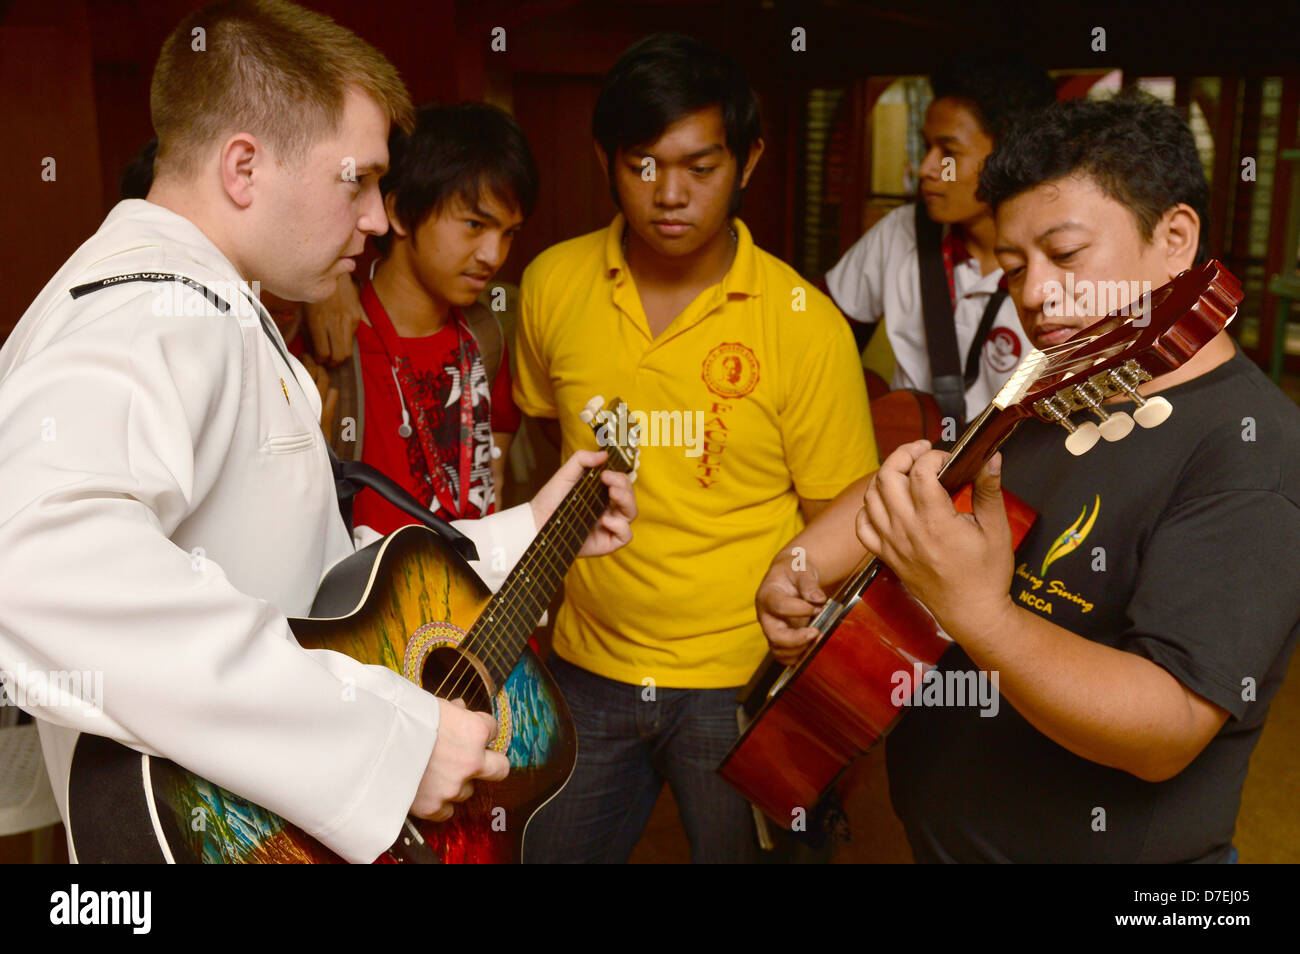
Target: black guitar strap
{"points": [[946, 377], [949, 382], [982, 335], [350, 477]]}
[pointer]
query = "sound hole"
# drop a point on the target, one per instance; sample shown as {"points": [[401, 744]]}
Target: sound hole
{"points": [[450, 675]]}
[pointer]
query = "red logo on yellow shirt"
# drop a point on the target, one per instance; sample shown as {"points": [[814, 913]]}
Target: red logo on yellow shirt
{"points": [[730, 370]]}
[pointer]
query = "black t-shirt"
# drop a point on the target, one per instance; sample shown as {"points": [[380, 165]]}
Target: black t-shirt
{"points": [[1176, 543]]}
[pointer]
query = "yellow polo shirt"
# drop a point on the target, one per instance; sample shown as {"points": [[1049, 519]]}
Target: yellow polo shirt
{"points": [[767, 385]]}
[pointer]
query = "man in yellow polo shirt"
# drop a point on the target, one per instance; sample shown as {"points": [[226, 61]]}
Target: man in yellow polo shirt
{"points": [[753, 414]]}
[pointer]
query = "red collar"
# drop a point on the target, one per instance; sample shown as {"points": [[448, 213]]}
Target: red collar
{"points": [[956, 248]]}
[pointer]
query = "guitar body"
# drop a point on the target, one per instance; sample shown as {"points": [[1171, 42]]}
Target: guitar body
{"points": [[404, 602], [807, 723], [898, 417]]}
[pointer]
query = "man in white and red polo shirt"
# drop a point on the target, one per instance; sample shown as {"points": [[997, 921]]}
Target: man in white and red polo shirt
{"points": [[976, 99]]}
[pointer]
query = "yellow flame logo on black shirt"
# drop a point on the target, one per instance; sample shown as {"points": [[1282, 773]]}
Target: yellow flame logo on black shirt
{"points": [[1069, 541]]}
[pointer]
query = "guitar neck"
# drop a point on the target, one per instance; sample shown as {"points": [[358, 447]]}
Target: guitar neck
{"points": [[977, 444], [502, 630]]}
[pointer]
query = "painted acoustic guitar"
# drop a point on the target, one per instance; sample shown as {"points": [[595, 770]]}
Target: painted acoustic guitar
{"points": [[803, 724], [411, 603]]}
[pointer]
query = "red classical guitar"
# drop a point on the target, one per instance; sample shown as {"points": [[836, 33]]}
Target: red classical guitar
{"points": [[803, 724]]}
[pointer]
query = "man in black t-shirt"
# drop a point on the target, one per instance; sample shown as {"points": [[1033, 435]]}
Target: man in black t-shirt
{"points": [[1143, 627]]}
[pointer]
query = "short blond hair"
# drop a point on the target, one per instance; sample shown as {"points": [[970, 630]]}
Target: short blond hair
{"points": [[268, 67]]}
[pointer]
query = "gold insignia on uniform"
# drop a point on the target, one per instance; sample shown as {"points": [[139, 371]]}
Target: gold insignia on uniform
{"points": [[286, 392]]}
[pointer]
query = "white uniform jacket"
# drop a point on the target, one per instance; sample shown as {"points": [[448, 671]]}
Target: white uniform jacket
{"points": [[165, 501], [879, 277]]}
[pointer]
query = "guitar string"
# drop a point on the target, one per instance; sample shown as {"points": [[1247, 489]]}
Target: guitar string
{"points": [[518, 607], [505, 617], [502, 609], [521, 604], [584, 497], [519, 599], [498, 604], [1055, 357]]}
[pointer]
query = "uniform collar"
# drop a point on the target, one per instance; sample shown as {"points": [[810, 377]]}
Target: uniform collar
{"points": [[178, 239], [741, 277]]}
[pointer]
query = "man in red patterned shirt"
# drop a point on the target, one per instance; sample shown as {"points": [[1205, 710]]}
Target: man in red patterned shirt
{"points": [[438, 418]]}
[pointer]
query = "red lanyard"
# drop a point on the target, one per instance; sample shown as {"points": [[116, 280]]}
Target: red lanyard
{"points": [[951, 242], [400, 361]]}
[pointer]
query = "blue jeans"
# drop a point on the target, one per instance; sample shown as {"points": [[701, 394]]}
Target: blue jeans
{"points": [[628, 745]]}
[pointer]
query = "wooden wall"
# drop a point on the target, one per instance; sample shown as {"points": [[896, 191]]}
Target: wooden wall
{"points": [[76, 77], [84, 70], [52, 202]]}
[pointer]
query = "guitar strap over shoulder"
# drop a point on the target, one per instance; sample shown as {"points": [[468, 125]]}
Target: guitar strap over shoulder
{"points": [[947, 381], [352, 476]]}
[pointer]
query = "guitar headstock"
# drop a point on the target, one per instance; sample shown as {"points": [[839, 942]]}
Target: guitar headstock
{"points": [[1152, 336], [614, 432]]}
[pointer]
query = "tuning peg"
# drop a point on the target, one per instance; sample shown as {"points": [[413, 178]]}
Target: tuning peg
{"points": [[1116, 426], [591, 409], [1153, 412], [1083, 437]]}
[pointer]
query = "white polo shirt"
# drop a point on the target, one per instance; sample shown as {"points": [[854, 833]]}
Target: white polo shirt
{"points": [[879, 277]]}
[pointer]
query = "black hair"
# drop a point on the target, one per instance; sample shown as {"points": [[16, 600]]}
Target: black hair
{"points": [[999, 86], [137, 177], [458, 152], [663, 77], [1136, 148]]}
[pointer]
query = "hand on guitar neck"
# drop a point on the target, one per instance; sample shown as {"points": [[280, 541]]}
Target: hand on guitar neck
{"points": [[956, 564], [461, 753], [614, 529]]}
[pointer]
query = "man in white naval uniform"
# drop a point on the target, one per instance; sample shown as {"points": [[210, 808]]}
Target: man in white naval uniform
{"points": [[166, 497]]}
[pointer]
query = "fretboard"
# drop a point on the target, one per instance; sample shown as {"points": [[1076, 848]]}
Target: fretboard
{"points": [[499, 636], [980, 441]]}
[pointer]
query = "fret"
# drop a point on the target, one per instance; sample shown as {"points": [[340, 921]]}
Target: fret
{"points": [[501, 633]]}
